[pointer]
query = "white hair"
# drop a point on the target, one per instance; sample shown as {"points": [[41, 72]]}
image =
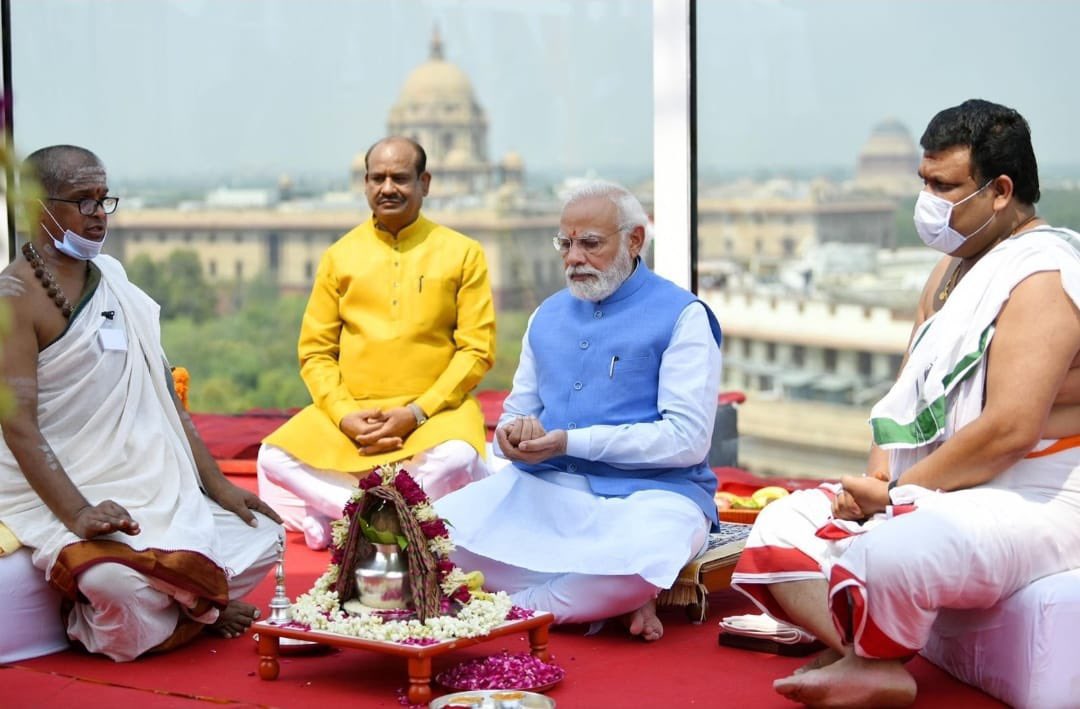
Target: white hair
{"points": [[631, 213], [605, 282]]}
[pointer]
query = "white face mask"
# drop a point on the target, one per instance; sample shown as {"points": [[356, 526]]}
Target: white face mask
{"points": [[73, 244], [932, 217]]}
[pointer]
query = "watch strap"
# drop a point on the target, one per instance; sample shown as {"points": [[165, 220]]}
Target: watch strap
{"points": [[421, 417]]}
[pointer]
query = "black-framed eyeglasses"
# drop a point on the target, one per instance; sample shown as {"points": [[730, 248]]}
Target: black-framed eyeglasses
{"points": [[88, 205], [589, 243]]}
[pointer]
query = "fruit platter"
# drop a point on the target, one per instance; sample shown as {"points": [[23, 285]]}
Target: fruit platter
{"points": [[745, 508]]}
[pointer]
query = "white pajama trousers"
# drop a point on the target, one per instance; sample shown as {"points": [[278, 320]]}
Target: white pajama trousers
{"points": [[297, 491], [554, 546], [571, 598]]}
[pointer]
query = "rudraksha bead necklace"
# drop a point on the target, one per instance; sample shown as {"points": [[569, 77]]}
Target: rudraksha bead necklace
{"points": [[46, 277]]}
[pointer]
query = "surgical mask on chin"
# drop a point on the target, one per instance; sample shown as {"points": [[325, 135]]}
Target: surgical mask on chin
{"points": [[72, 244], [932, 217]]}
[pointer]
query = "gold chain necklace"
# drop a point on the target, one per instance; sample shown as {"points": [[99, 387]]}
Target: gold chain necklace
{"points": [[48, 282], [950, 285], [944, 294], [956, 271]]}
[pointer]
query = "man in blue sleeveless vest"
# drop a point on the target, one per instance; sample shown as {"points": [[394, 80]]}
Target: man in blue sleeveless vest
{"points": [[608, 428]]}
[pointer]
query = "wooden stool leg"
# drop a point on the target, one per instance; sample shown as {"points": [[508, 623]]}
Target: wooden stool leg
{"points": [[419, 680], [538, 643], [268, 656]]}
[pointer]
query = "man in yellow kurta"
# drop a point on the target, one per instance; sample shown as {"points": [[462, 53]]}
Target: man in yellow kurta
{"points": [[399, 329]]}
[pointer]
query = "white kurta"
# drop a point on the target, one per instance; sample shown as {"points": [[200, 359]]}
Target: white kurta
{"points": [[553, 523]]}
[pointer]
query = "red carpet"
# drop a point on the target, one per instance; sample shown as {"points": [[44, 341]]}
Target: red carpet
{"points": [[684, 669]]}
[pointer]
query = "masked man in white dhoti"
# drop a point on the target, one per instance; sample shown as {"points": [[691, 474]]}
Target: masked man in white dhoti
{"points": [[968, 496], [607, 426], [102, 474]]}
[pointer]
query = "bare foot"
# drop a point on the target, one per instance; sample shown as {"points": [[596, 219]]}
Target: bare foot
{"points": [[851, 681], [644, 623], [822, 659], [234, 619]]}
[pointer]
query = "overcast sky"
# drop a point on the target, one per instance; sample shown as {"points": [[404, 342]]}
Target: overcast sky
{"points": [[164, 88]]}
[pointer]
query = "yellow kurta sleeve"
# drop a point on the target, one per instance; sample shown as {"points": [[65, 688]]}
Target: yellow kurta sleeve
{"points": [[319, 346], [474, 339]]}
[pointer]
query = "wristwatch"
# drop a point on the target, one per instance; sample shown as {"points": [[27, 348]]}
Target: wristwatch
{"points": [[421, 417]]}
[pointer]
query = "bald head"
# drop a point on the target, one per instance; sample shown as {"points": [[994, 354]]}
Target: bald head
{"points": [[59, 168], [419, 162]]}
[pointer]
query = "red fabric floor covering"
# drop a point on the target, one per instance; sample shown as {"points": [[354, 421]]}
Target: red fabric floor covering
{"points": [[684, 669]]}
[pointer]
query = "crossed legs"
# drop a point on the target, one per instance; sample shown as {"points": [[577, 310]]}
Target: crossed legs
{"points": [[309, 498], [573, 598]]}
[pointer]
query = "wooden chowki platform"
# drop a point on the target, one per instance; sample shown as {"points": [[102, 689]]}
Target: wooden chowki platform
{"points": [[708, 572], [417, 656]]}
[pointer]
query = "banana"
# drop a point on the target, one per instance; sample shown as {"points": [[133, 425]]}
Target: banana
{"points": [[768, 494], [475, 580]]}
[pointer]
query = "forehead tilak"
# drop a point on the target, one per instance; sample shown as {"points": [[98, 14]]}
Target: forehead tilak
{"points": [[85, 176]]}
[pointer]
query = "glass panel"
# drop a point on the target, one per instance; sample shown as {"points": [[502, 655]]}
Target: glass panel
{"points": [[248, 122], [809, 115]]}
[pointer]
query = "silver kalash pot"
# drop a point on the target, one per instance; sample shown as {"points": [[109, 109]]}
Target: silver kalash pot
{"points": [[383, 580]]}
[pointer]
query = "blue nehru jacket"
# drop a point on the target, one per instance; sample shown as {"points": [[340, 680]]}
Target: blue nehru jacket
{"points": [[599, 364]]}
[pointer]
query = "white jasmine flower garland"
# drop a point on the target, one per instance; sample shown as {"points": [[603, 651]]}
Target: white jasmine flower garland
{"points": [[320, 608]]}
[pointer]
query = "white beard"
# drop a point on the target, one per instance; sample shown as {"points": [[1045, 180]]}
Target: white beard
{"points": [[603, 283]]}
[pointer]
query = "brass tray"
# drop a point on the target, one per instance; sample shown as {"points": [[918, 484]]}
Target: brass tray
{"points": [[494, 699]]}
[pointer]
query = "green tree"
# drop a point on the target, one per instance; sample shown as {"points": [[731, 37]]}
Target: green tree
{"points": [[188, 292], [245, 359], [509, 329], [146, 274], [177, 284]]}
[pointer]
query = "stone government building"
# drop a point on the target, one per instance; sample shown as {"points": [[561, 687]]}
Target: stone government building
{"points": [[810, 358], [816, 333], [239, 234]]}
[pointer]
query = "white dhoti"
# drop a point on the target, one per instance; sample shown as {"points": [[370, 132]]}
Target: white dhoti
{"points": [[889, 577], [129, 613], [106, 410], [555, 546], [307, 498]]}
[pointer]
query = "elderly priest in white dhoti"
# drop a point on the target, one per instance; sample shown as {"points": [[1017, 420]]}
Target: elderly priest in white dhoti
{"points": [[979, 492], [102, 474]]}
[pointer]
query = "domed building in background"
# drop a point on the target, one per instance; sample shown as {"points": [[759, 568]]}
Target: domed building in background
{"points": [[437, 107], [889, 161]]}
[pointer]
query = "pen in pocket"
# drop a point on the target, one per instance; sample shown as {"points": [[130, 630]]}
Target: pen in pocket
{"points": [[611, 369]]}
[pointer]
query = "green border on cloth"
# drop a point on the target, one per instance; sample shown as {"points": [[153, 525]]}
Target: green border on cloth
{"points": [[930, 420]]}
